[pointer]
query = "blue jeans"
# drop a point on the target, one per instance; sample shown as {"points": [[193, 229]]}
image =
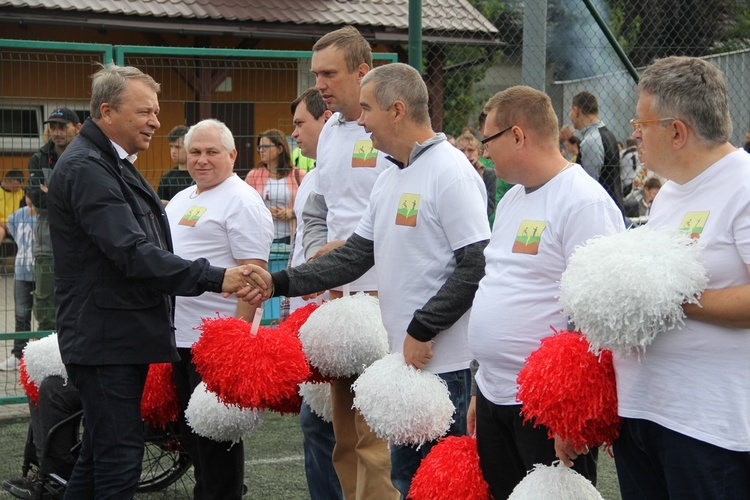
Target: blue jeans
{"points": [[405, 459], [24, 300], [654, 462], [318, 441], [109, 463]]}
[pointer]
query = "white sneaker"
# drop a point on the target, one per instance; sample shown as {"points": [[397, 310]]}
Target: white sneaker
{"points": [[9, 364]]}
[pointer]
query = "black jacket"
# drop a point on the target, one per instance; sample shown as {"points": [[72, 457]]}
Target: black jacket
{"points": [[114, 270], [40, 169]]}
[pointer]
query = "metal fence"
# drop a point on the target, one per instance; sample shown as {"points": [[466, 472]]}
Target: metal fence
{"points": [[560, 46]]}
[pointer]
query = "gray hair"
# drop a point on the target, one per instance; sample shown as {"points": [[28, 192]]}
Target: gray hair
{"points": [[693, 91], [400, 82], [227, 139], [109, 84]]}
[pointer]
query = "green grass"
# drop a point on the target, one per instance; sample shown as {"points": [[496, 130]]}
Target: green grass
{"points": [[274, 468]]}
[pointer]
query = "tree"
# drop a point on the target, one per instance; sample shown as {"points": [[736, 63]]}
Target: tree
{"points": [[465, 66], [650, 29]]}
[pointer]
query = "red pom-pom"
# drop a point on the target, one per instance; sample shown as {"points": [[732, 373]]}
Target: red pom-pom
{"points": [[290, 404], [251, 371], [159, 404], [570, 390], [29, 387], [450, 470]]}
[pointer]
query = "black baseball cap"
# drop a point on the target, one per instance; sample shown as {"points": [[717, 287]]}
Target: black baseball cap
{"points": [[63, 115]]}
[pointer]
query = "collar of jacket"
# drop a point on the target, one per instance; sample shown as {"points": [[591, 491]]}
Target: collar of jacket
{"points": [[91, 133]]}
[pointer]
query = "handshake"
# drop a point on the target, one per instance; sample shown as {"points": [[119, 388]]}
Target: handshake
{"points": [[249, 282]]}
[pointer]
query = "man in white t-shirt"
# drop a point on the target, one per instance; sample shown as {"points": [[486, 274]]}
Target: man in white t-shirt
{"points": [[310, 114], [347, 168], [554, 207], [685, 403], [423, 233], [223, 219]]}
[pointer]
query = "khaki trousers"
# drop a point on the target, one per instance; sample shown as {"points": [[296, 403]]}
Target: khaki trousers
{"points": [[361, 459]]}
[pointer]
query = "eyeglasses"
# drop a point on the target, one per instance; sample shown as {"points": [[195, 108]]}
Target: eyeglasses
{"points": [[637, 124], [266, 146], [487, 140]]}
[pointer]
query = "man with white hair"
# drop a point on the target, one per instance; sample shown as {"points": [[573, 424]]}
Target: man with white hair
{"points": [[223, 219]]}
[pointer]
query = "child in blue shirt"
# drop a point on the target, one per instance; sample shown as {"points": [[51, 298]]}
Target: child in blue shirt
{"points": [[21, 227]]}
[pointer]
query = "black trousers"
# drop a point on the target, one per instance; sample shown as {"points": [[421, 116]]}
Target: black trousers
{"points": [[508, 448], [219, 466]]}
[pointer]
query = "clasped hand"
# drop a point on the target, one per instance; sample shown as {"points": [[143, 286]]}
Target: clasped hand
{"points": [[249, 282]]}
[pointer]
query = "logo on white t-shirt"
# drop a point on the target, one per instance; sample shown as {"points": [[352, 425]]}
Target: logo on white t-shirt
{"points": [[693, 223], [408, 209], [529, 236], [364, 155], [192, 215]]}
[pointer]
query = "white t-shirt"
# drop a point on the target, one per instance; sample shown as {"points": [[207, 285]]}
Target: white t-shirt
{"points": [[348, 168], [417, 218], [276, 194], [298, 253], [224, 224], [695, 380], [533, 237]]}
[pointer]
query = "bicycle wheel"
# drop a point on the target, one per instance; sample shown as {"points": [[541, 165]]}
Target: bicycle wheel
{"points": [[164, 459]]}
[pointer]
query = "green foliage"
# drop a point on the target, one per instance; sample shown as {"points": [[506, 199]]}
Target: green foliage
{"points": [[465, 67], [737, 34], [648, 29]]}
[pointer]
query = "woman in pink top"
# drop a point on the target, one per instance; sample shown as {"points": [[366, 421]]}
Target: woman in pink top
{"points": [[277, 181]]}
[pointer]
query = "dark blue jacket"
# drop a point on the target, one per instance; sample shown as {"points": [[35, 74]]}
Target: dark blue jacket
{"points": [[115, 273]]}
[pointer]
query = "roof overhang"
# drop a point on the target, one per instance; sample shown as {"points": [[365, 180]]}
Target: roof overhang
{"points": [[239, 29]]}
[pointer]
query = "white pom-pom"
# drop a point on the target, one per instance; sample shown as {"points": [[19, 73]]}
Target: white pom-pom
{"points": [[345, 336], [555, 482], [212, 419], [624, 289], [318, 396], [42, 359], [401, 404]]}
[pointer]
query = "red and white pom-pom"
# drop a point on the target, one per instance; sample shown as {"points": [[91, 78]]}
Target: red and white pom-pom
{"points": [[624, 289], [294, 323], [318, 397], [570, 390], [252, 371], [554, 482], [298, 317], [29, 387], [212, 419], [401, 404], [43, 359], [159, 404], [449, 471], [345, 336]]}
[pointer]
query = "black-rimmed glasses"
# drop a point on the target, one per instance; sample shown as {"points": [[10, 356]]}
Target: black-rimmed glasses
{"points": [[489, 139]]}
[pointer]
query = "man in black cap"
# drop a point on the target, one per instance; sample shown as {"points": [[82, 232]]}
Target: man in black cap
{"points": [[64, 125]]}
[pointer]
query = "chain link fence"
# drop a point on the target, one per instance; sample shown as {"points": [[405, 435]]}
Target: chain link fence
{"points": [[559, 46]]}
